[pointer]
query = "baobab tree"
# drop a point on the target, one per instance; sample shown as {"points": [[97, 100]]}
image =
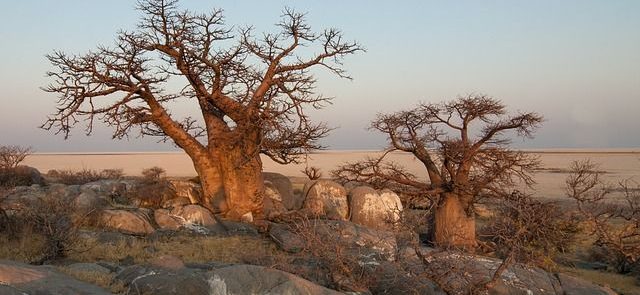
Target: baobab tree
{"points": [[251, 92], [461, 168]]}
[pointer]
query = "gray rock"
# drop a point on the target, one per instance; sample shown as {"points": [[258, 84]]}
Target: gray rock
{"points": [[127, 221], [32, 174], [30, 279], [157, 281], [89, 267], [283, 185], [194, 214], [186, 189], [380, 210], [8, 290], [285, 238], [459, 272], [370, 245], [165, 220], [575, 286], [326, 198], [108, 187], [251, 279], [175, 202], [167, 262], [273, 205], [89, 200]]}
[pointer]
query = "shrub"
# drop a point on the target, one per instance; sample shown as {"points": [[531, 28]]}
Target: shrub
{"points": [[530, 231], [615, 224], [71, 177], [12, 155], [151, 192], [48, 225], [16, 176]]}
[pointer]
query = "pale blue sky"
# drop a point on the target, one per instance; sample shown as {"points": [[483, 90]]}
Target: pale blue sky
{"points": [[575, 62]]}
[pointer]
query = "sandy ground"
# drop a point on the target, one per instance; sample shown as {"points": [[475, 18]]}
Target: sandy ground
{"points": [[620, 164]]}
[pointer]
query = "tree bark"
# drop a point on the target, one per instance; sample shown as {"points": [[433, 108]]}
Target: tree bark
{"points": [[232, 183], [453, 227]]}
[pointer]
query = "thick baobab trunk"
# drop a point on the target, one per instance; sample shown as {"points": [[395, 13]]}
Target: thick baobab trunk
{"points": [[243, 185], [453, 227], [232, 184]]}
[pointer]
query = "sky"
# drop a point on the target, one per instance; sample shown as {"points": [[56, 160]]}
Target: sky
{"points": [[575, 62]]}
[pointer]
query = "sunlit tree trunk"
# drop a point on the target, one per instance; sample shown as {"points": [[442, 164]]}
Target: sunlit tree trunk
{"points": [[453, 226]]}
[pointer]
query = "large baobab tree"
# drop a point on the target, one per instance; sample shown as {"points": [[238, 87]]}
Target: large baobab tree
{"points": [[460, 167], [251, 93]]}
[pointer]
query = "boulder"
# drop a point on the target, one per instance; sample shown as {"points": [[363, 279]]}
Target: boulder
{"points": [[142, 280], [88, 268], [459, 272], [194, 214], [28, 174], [252, 279], [127, 221], [108, 187], [30, 279], [89, 200], [283, 185], [326, 198], [167, 262], [273, 206], [284, 236], [370, 245], [372, 209], [175, 202], [575, 286], [223, 280], [186, 189], [165, 220]]}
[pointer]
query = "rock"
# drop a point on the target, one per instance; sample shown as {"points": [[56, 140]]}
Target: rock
{"points": [[88, 267], [460, 271], [194, 214], [252, 279], [273, 206], [186, 189], [283, 186], [167, 262], [30, 279], [326, 198], [165, 220], [89, 200], [234, 279], [29, 174], [127, 221], [285, 238], [391, 278], [575, 286], [108, 187], [368, 244], [8, 290], [175, 202], [483, 211], [158, 281], [372, 209]]}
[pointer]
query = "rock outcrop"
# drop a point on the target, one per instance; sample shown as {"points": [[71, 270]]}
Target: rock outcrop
{"points": [[127, 221], [326, 198], [283, 185], [19, 278], [380, 210]]}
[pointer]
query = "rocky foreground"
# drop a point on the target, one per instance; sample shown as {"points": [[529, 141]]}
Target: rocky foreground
{"points": [[333, 241]]}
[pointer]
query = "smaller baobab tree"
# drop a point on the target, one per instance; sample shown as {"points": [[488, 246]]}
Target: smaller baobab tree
{"points": [[461, 168]]}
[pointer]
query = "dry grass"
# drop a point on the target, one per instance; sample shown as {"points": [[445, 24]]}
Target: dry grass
{"points": [[234, 249], [104, 280], [622, 284]]}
